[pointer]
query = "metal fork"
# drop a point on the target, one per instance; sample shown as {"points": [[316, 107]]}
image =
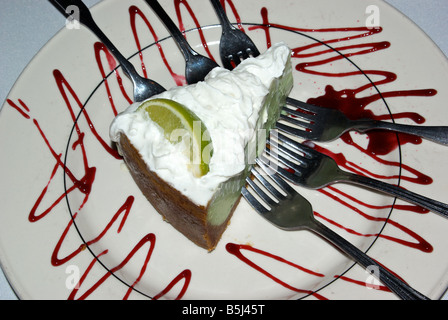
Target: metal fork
{"points": [[290, 211], [197, 66], [235, 45], [315, 123], [143, 88], [315, 170], [323, 124]]}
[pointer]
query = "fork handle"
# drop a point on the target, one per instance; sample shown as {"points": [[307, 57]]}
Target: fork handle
{"points": [[427, 203], [390, 280], [85, 17], [438, 134], [225, 22], [184, 46]]}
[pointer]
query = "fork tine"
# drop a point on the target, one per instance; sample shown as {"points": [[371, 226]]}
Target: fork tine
{"points": [[292, 172], [244, 54], [266, 198], [236, 59], [253, 201], [307, 151], [275, 193], [306, 115], [297, 122], [282, 184], [253, 52], [302, 105], [280, 150], [271, 199], [294, 177], [239, 56], [294, 131], [228, 62]]}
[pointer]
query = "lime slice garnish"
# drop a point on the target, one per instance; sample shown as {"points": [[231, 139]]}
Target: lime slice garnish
{"points": [[180, 123]]}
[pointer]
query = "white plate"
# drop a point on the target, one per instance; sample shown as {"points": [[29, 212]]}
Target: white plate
{"points": [[44, 256]]}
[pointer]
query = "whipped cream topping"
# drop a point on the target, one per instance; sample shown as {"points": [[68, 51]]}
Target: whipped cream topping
{"points": [[229, 104]]}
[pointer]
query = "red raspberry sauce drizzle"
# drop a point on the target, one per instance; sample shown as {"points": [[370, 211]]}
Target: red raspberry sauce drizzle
{"points": [[380, 143]]}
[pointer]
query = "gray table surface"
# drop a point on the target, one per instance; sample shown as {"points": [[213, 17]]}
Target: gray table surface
{"points": [[43, 22]]}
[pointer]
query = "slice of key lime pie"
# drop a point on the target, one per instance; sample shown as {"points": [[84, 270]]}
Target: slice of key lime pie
{"points": [[190, 148]]}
